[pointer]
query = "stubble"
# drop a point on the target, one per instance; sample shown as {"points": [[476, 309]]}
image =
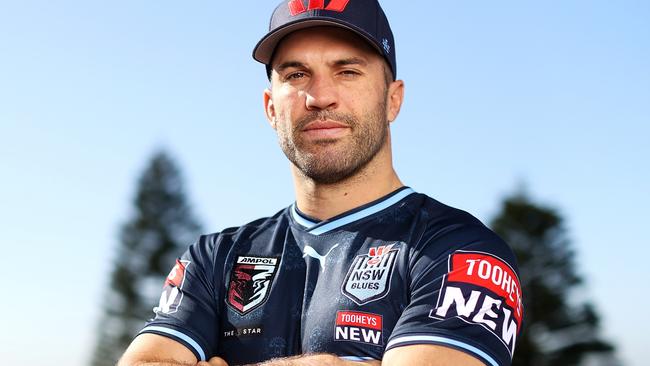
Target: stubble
{"points": [[329, 161]]}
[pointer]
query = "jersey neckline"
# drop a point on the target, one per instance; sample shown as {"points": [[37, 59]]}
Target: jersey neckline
{"points": [[371, 208]]}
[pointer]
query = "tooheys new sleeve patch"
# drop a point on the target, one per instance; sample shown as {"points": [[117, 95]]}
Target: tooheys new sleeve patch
{"points": [[482, 289], [172, 293]]}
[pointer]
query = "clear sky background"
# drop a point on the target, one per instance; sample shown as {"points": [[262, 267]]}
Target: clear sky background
{"points": [[553, 93]]}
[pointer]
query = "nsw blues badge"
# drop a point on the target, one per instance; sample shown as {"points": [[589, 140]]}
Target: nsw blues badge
{"points": [[368, 278]]}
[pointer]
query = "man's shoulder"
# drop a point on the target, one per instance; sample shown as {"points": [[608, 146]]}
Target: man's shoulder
{"points": [[437, 214], [444, 226], [250, 229]]}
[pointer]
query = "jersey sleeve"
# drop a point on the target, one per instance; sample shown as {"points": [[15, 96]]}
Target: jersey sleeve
{"points": [[187, 310], [467, 297]]}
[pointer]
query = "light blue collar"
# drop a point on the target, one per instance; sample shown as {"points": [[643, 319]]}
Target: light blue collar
{"points": [[318, 228]]}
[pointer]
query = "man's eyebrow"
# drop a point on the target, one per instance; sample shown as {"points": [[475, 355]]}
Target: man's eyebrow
{"points": [[342, 62], [350, 61], [289, 64]]}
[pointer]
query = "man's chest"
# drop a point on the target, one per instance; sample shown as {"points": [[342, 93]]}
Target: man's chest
{"points": [[338, 294]]}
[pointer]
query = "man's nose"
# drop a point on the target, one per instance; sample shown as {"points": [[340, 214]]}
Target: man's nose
{"points": [[322, 93]]}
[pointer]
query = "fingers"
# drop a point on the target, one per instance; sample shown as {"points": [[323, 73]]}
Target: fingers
{"points": [[214, 361]]}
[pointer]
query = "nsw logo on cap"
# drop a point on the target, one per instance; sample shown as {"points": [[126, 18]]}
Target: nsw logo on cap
{"points": [[298, 6]]}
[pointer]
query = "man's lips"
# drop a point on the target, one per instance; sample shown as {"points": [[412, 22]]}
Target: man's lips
{"points": [[324, 125], [325, 130]]}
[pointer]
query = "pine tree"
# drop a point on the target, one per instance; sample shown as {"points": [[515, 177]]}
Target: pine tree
{"points": [[560, 326], [160, 230]]}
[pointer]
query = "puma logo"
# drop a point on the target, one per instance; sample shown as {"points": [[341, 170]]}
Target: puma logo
{"points": [[309, 251]]}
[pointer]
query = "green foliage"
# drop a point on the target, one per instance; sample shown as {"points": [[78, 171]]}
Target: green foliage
{"points": [[560, 328], [161, 228]]}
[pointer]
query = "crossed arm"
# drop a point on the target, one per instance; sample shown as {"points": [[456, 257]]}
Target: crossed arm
{"points": [[155, 350]]}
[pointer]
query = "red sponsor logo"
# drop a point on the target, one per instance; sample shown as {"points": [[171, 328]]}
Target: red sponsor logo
{"points": [[298, 6], [482, 289], [490, 272], [172, 294], [358, 326], [358, 319], [176, 275]]}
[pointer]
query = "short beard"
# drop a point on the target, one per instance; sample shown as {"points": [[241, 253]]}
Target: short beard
{"points": [[368, 138]]}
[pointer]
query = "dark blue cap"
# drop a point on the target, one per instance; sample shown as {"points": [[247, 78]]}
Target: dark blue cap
{"points": [[363, 17]]}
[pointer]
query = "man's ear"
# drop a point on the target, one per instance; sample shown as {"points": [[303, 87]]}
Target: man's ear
{"points": [[395, 99], [269, 108]]}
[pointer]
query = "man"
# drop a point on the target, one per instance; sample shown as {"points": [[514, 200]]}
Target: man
{"points": [[361, 269]]}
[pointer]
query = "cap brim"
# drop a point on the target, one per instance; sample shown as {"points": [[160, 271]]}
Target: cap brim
{"points": [[263, 51]]}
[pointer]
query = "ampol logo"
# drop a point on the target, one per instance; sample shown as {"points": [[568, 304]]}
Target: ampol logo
{"points": [[250, 281]]}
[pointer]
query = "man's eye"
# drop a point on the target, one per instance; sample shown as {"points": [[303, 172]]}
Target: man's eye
{"points": [[296, 75], [349, 73]]}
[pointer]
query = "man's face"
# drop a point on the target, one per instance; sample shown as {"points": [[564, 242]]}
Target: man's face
{"points": [[328, 102]]}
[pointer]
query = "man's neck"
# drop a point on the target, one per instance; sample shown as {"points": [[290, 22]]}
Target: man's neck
{"points": [[324, 201]]}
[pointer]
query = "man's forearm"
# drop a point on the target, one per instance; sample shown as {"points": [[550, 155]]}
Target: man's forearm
{"points": [[321, 359], [161, 364], [154, 363]]}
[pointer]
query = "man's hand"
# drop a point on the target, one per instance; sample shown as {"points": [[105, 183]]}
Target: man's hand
{"points": [[416, 355], [304, 360], [214, 361], [321, 359]]}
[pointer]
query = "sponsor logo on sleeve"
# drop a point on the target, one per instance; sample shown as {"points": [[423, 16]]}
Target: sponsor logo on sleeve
{"points": [[172, 293], [368, 278], [358, 326], [482, 289], [250, 282]]}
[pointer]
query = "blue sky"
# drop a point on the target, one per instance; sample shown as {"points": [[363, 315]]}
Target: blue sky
{"points": [[551, 94]]}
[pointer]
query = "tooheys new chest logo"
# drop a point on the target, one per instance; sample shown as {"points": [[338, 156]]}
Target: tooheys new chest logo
{"points": [[368, 278], [250, 282]]}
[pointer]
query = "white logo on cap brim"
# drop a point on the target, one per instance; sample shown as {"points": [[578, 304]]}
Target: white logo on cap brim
{"points": [[386, 45]]}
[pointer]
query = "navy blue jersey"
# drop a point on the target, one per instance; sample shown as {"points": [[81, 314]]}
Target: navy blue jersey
{"points": [[402, 270]]}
